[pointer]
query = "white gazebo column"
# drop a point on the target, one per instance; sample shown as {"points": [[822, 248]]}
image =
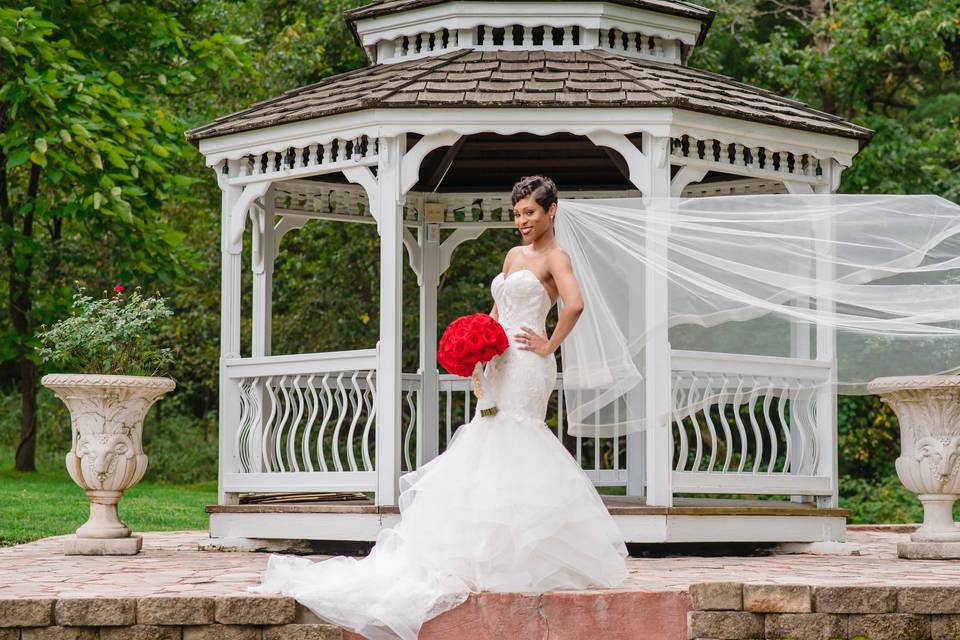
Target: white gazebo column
{"points": [[649, 454], [800, 344], [230, 266], [428, 438], [826, 343], [389, 348], [264, 247], [657, 372]]}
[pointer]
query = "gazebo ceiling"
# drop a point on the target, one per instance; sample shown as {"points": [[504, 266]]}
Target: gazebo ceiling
{"points": [[532, 79], [487, 161]]}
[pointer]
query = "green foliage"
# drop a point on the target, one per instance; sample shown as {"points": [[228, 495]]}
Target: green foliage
{"points": [[868, 437], [888, 66], [112, 335], [91, 153], [182, 448], [883, 500]]}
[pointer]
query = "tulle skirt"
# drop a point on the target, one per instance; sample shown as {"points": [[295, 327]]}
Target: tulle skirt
{"points": [[504, 508]]}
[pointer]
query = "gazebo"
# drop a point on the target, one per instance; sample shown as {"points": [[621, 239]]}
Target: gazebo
{"points": [[462, 97]]}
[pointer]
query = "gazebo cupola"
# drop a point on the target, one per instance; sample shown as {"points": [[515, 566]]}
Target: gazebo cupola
{"points": [[394, 30], [461, 99]]}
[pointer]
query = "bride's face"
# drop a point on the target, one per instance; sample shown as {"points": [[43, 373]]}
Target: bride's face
{"points": [[531, 219]]}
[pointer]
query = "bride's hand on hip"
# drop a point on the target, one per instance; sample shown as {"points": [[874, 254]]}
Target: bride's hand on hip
{"points": [[532, 341]]}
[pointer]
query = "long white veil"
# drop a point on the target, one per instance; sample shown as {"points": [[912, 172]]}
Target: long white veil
{"points": [[746, 275]]}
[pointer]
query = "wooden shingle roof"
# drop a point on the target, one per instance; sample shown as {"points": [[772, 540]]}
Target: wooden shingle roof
{"points": [[491, 79]]}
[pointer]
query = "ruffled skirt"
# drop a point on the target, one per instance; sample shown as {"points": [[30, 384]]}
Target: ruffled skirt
{"points": [[504, 508]]}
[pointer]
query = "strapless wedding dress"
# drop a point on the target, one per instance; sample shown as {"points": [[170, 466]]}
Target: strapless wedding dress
{"points": [[504, 508]]}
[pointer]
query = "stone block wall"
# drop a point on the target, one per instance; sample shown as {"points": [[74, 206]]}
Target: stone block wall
{"points": [[739, 611], [162, 618]]}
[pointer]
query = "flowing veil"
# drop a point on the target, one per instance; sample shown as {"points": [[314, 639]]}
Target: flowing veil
{"points": [[741, 274]]}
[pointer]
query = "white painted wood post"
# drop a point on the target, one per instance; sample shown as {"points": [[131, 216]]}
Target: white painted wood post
{"points": [[800, 344], [230, 266], [263, 259], [658, 379], [827, 349], [428, 439], [263, 254], [389, 348], [649, 454]]}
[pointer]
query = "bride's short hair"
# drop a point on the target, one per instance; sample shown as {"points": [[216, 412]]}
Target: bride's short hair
{"points": [[542, 188]]}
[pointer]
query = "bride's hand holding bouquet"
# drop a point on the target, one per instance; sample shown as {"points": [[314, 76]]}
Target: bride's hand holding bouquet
{"points": [[469, 342]]}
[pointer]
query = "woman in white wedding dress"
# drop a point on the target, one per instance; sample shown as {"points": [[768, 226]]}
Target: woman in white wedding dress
{"points": [[505, 507]]}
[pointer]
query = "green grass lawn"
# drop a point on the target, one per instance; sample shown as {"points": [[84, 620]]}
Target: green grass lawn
{"points": [[48, 502]]}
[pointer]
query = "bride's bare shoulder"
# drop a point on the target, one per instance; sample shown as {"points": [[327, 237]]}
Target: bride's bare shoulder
{"points": [[512, 253], [557, 259]]}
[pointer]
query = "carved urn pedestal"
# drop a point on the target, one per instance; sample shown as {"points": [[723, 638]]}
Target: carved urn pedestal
{"points": [[106, 455], [928, 408]]}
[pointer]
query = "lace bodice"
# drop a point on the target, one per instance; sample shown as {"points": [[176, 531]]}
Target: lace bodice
{"points": [[521, 381]]}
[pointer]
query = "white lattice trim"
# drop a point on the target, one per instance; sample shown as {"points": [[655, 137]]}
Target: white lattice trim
{"points": [[308, 159], [734, 157]]}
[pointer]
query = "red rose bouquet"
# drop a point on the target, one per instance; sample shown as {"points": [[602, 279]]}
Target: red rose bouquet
{"points": [[470, 340], [466, 344]]}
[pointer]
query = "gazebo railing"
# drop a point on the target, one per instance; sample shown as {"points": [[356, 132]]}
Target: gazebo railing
{"points": [[307, 423], [749, 424], [603, 459], [741, 424]]}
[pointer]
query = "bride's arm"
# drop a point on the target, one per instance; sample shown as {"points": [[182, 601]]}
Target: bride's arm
{"points": [[559, 264]]}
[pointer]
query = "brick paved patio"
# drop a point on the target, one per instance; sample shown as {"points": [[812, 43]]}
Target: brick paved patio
{"points": [[171, 564], [175, 591]]}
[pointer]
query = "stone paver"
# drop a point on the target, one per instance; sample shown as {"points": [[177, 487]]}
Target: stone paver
{"points": [[171, 564]]}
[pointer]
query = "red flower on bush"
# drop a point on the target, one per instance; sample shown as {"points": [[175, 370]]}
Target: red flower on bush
{"points": [[118, 288], [469, 340]]}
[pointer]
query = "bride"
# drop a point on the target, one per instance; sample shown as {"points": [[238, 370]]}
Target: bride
{"points": [[505, 507]]}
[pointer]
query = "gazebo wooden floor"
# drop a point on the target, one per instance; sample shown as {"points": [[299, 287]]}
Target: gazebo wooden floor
{"points": [[690, 520], [616, 505]]}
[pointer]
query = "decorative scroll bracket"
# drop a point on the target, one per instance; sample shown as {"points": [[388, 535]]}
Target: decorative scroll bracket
{"points": [[635, 158], [410, 167], [239, 211], [365, 178], [454, 240]]}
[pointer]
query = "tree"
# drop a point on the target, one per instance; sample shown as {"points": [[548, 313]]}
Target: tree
{"points": [[891, 66], [89, 151]]}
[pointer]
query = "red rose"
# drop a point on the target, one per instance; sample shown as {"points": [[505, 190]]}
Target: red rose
{"points": [[468, 340]]}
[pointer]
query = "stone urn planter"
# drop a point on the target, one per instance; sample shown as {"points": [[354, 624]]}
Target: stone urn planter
{"points": [[928, 408], [106, 455]]}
